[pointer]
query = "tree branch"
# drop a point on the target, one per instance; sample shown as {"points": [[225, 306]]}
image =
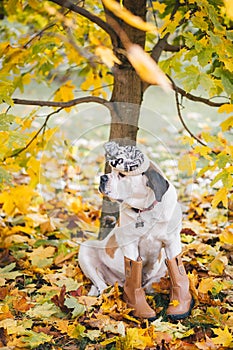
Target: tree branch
{"points": [[95, 19], [62, 105], [196, 98]]}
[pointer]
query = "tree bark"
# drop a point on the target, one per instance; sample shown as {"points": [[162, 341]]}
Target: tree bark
{"points": [[126, 98]]}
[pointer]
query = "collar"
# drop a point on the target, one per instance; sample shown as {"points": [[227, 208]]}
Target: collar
{"points": [[145, 209]]}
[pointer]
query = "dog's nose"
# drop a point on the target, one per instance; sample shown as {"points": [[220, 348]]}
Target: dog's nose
{"points": [[103, 178]]}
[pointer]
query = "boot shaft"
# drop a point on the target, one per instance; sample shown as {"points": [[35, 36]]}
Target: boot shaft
{"points": [[177, 271], [133, 272], [181, 301]]}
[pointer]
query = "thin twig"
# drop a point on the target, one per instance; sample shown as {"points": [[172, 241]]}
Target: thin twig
{"points": [[181, 118], [16, 153], [95, 19]]}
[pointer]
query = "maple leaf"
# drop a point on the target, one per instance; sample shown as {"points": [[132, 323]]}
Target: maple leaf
{"points": [[174, 303], [220, 196], [224, 337], [187, 163], [137, 338], [22, 304], [42, 257], [45, 310], [6, 273], [72, 303], [34, 339], [65, 93]]}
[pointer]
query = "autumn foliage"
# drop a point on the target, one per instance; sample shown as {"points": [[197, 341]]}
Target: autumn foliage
{"points": [[66, 54]]}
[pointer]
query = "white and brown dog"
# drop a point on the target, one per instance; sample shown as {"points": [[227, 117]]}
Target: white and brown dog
{"points": [[147, 242]]}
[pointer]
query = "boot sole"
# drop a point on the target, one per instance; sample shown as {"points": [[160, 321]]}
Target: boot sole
{"points": [[186, 314]]}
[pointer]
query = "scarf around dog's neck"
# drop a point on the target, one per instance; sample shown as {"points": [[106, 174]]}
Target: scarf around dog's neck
{"points": [[128, 160]]}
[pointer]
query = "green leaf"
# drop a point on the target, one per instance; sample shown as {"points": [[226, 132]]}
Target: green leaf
{"points": [[6, 120], [190, 77], [70, 284], [7, 273], [34, 339], [45, 310], [72, 303], [5, 177]]}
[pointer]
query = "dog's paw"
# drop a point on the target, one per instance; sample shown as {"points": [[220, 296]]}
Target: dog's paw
{"points": [[94, 291]]}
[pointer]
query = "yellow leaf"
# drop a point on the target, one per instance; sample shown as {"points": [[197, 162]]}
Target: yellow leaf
{"points": [[226, 237], [203, 151], [187, 140], [217, 266], [187, 163], [22, 197], [224, 337], [42, 252], [8, 203], [146, 67], [62, 325], [137, 338], [42, 257], [193, 281], [206, 285], [157, 6], [124, 14], [65, 93], [227, 124], [229, 8], [47, 226], [220, 196], [226, 108], [174, 303], [107, 56], [33, 170]]}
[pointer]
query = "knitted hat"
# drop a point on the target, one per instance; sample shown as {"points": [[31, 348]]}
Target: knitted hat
{"points": [[128, 160]]}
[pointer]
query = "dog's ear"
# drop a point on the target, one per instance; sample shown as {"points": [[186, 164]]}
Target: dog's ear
{"points": [[156, 182]]}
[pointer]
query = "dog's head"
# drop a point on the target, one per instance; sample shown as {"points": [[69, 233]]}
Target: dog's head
{"points": [[133, 179]]}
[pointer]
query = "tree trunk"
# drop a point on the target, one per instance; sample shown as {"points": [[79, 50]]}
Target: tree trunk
{"points": [[126, 97]]}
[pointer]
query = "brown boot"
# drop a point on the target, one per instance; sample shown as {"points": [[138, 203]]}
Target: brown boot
{"points": [[181, 302], [134, 294]]}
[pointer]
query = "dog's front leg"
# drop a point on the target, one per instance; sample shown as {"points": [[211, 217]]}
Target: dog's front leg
{"points": [[91, 265]]}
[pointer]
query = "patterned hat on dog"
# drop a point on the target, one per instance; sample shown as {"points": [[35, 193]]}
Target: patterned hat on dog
{"points": [[128, 160]]}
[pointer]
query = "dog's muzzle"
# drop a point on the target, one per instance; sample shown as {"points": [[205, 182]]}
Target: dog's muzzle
{"points": [[103, 183]]}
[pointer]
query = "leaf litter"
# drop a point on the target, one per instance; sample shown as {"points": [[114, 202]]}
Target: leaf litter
{"points": [[44, 302]]}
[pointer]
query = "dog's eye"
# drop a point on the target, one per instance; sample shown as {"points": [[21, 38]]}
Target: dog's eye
{"points": [[121, 175]]}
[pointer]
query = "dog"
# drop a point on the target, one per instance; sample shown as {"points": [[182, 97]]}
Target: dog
{"points": [[149, 224]]}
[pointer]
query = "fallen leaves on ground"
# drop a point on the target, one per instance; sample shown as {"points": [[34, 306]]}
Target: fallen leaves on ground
{"points": [[44, 302]]}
